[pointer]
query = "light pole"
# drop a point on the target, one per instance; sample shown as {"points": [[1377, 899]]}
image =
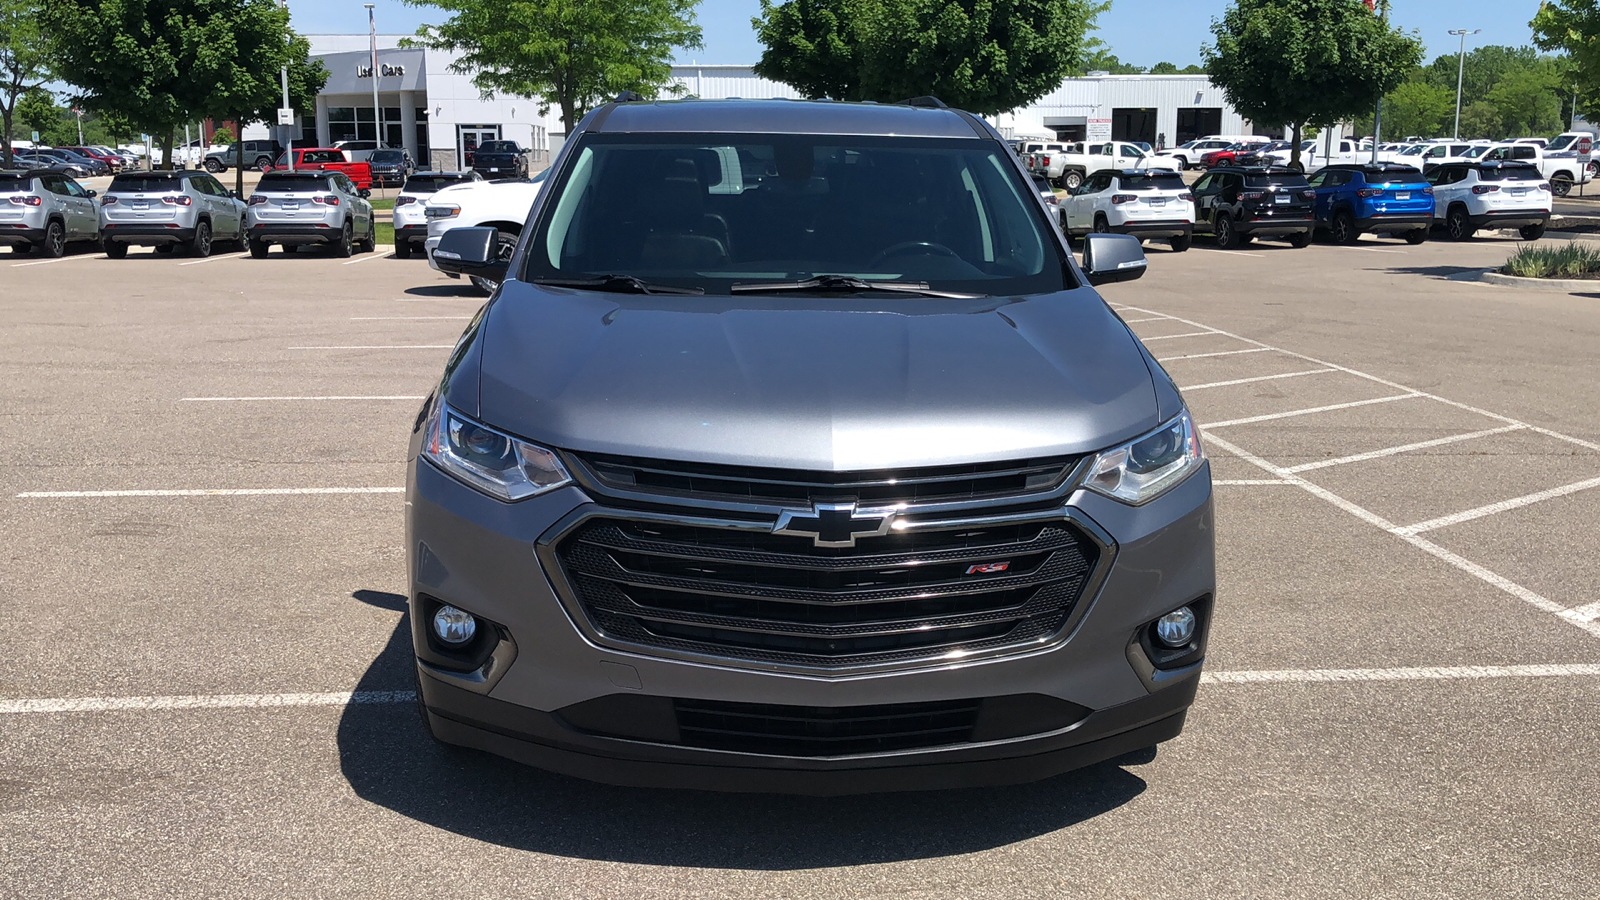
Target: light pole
{"points": [[1461, 68], [288, 135], [377, 111]]}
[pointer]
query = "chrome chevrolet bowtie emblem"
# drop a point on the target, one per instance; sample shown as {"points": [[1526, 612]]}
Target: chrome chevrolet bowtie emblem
{"points": [[834, 524]]}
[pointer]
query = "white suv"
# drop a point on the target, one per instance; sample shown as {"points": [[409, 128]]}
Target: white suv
{"points": [[410, 223], [503, 205], [1138, 202], [1473, 195]]}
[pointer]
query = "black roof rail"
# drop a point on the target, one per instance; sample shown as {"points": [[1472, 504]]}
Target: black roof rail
{"points": [[628, 97], [924, 103]]}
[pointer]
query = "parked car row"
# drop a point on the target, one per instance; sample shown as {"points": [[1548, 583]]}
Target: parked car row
{"points": [[1236, 204], [185, 210]]}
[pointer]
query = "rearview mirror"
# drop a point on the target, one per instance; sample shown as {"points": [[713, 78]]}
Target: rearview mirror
{"points": [[1109, 258], [471, 251]]}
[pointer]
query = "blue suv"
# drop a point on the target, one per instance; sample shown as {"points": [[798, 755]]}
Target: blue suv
{"points": [[1382, 198]]}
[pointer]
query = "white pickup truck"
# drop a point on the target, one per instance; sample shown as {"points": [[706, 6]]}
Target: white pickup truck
{"points": [[1070, 168], [1562, 168], [500, 204], [1314, 154]]}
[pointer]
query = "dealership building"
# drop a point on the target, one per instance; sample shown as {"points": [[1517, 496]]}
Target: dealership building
{"points": [[440, 116]]}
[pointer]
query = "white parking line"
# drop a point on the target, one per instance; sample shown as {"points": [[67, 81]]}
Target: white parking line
{"points": [[1250, 481], [363, 258], [478, 300], [1217, 384], [1403, 448], [196, 262], [59, 259], [253, 399], [1247, 420], [1377, 250], [1422, 673], [378, 347], [1209, 355], [408, 318], [1503, 506], [1168, 337], [60, 705], [1150, 319], [215, 492], [1229, 252], [1586, 613]]}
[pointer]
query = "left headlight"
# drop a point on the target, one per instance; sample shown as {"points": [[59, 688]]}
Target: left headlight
{"points": [[492, 462], [1146, 467]]}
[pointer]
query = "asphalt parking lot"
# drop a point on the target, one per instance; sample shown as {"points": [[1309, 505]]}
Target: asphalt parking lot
{"points": [[206, 690]]}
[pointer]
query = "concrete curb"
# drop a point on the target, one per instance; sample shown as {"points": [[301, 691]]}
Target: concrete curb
{"points": [[1565, 285]]}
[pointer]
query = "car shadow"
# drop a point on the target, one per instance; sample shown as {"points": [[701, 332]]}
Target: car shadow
{"points": [[1443, 273], [464, 289], [389, 760]]}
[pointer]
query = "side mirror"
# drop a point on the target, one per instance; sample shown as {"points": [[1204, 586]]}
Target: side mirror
{"points": [[474, 251], [365, 193], [1109, 258], [92, 193]]}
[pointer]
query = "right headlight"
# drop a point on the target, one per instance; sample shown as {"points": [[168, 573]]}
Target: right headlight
{"points": [[492, 462], [1146, 467]]}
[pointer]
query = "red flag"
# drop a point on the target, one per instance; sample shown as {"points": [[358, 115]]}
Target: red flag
{"points": [[1372, 5]]}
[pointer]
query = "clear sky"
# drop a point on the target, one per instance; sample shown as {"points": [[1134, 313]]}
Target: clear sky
{"points": [[1141, 32]]}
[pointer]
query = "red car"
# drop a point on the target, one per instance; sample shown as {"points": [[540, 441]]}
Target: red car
{"points": [[310, 159], [112, 161], [1228, 155]]}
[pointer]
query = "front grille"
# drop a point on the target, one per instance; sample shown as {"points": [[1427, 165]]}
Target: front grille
{"points": [[823, 730], [752, 595], [788, 487]]}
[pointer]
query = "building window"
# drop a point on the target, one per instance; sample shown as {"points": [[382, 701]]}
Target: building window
{"points": [[355, 123]]}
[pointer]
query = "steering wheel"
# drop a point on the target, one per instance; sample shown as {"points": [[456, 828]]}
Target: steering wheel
{"points": [[928, 248]]}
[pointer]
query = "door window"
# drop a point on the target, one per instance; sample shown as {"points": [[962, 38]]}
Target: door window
{"points": [[1204, 185], [1317, 180]]}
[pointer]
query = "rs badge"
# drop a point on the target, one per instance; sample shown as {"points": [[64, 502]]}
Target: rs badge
{"points": [[988, 568]]}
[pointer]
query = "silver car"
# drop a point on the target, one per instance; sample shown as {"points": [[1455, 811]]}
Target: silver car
{"points": [[168, 211], [44, 209], [296, 208], [770, 468]]}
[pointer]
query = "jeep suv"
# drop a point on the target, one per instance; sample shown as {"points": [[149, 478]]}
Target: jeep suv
{"points": [[1237, 204], [795, 452], [1470, 196], [294, 209], [256, 154], [1380, 198], [44, 209], [168, 210]]}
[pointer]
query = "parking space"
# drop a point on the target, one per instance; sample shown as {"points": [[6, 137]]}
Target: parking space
{"points": [[209, 694]]}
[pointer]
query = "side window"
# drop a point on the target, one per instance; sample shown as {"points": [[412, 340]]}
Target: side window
{"points": [[1438, 152], [345, 184], [1319, 179], [1205, 184], [55, 184], [72, 188], [1522, 151]]}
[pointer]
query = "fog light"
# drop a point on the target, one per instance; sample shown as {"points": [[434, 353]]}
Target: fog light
{"points": [[455, 626], [1175, 629]]}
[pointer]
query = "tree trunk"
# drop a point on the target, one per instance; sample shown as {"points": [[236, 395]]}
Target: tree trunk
{"points": [[569, 115], [1294, 151], [5, 139], [167, 141]]}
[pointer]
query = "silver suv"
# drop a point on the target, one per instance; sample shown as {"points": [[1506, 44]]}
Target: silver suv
{"points": [[168, 210], [795, 452], [295, 208], [44, 209]]}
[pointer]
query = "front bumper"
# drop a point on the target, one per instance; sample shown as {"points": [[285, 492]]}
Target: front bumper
{"points": [[145, 234], [1509, 218], [294, 232], [476, 553]]}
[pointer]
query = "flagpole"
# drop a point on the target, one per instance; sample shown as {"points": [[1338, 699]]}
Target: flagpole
{"points": [[1377, 114]]}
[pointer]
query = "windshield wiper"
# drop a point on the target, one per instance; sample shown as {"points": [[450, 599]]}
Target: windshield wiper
{"points": [[617, 284], [833, 284]]}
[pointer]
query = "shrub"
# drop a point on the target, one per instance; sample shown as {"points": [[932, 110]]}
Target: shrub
{"points": [[1573, 259]]}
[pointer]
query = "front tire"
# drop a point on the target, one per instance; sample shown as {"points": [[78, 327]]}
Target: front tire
{"points": [[1343, 228], [55, 240], [1457, 225], [1532, 232], [346, 244], [213, 166], [1227, 237], [1181, 243], [200, 247]]}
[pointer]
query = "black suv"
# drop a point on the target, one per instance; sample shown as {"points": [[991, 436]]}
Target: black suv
{"points": [[500, 159], [1236, 203]]}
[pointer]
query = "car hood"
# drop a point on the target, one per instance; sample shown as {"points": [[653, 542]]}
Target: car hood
{"points": [[806, 382]]}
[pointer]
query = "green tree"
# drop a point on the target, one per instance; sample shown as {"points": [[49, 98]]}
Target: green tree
{"points": [[1166, 68], [161, 63], [1099, 58], [24, 63], [1573, 26], [37, 111], [1415, 107], [1306, 61], [223, 135], [987, 56], [574, 54], [1528, 101]]}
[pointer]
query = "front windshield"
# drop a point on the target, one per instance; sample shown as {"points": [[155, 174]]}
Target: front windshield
{"points": [[386, 156], [1413, 151], [715, 211], [1562, 142]]}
